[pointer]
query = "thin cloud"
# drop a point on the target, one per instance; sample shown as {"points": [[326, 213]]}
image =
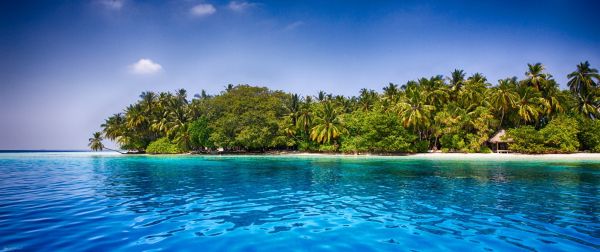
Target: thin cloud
{"points": [[145, 66], [202, 10], [112, 4], [293, 26], [240, 6]]}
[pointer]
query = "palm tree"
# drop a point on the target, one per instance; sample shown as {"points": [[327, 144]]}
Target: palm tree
{"points": [[148, 100], [96, 142], [293, 113], [367, 99], [113, 127], [328, 124], [305, 116], [503, 96], [321, 96], [413, 110], [526, 104], [551, 100], [582, 81], [135, 116], [181, 95], [535, 75], [457, 79], [477, 78], [293, 107], [391, 94], [588, 105]]}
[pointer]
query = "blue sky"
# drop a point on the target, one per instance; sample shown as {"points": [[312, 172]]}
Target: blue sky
{"points": [[67, 65]]}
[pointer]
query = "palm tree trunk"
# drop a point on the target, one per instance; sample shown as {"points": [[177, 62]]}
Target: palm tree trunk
{"points": [[502, 118], [114, 150]]}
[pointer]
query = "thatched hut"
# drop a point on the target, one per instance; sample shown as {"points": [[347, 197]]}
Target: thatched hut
{"points": [[499, 142]]}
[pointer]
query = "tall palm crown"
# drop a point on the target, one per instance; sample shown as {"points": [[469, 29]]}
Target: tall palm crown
{"points": [[477, 78], [527, 104], [457, 78], [582, 81], [551, 98], [328, 125], [95, 142], [321, 96], [588, 105], [114, 126], [504, 96], [457, 81], [413, 110], [391, 93], [293, 108], [367, 99], [535, 75]]}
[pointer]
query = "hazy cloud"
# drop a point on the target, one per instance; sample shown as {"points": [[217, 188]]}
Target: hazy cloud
{"points": [[293, 25], [112, 4], [239, 6], [145, 66], [201, 10]]}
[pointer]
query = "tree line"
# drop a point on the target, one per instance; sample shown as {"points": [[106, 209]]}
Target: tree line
{"points": [[452, 113]]}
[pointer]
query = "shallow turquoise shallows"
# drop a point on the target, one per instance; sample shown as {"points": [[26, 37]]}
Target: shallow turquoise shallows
{"points": [[100, 202]]}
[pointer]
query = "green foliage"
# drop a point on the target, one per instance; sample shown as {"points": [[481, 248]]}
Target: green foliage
{"points": [[308, 146], [328, 147], [163, 146], [589, 136], [421, 146], [95, 142], [199, 133], [247, 117], [559, 136], [376, 132], [328, 124], [454, 113], [463, 130], [485, 149], [453, 142], [526, 140]]}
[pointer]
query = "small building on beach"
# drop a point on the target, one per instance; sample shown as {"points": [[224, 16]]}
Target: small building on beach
{"points": [[499, 143]]}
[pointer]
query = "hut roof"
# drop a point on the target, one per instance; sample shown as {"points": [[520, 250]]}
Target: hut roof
{"points": [[498, 138]]}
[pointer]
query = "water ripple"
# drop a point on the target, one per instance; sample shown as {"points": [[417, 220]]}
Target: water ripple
{"points": [[235, 204]]}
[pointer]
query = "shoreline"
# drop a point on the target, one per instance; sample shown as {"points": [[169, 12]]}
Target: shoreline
{"points": [[580, 156], [430, 155]]}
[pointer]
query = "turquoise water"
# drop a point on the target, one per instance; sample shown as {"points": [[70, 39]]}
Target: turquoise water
{"points": [[83, 201]]}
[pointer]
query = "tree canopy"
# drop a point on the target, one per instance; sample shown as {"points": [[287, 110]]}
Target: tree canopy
{"points": [[458, 112]]}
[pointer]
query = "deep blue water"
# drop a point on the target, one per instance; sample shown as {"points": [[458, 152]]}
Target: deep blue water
{"points": [[80, 201]]}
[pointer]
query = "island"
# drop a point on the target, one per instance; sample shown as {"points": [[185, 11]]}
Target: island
{"points": [[451, 113]]}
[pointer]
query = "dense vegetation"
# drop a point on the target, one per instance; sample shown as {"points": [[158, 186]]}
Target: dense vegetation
{"points": [[453, 113]]}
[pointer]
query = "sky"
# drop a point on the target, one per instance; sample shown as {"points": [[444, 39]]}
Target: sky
{"points": [[65, 66]]}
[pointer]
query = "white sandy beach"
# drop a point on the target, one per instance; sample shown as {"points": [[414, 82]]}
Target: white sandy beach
{"points": [[432, 156], [469, 156]]}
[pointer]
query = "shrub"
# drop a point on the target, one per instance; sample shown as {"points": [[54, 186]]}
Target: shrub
{"points": [[354, 144], [559, 136], [328, 148], [453, 142], [526, 140], [589, 136], [375, 132], [199, 133], [163, 146], [307, 146], [422, 146], [485, 149]]}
